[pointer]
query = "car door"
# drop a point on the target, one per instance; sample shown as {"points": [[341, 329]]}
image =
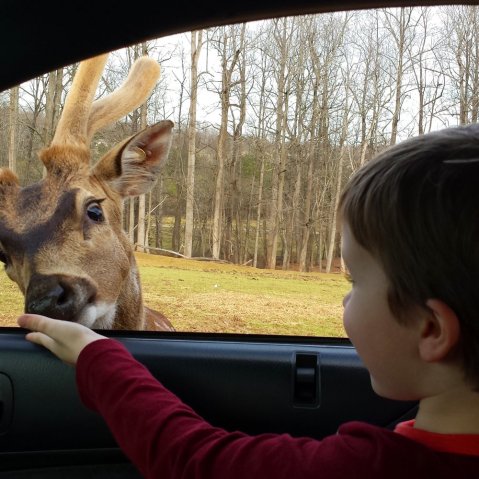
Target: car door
{"points": [[304, 387]]}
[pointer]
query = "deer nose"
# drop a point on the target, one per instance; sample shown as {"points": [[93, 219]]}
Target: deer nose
{"points": [[58, 296]]}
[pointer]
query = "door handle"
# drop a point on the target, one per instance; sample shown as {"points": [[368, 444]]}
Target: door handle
{"points": [[306, 380]]}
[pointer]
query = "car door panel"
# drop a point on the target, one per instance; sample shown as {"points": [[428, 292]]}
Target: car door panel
{"points": [[253, 384]]}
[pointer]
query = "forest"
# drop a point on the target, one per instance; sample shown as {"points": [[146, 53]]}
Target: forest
{"points": [[271, 119]]}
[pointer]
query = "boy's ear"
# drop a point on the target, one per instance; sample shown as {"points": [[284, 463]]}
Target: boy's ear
{"points": [[440, 331], [131, 168]]}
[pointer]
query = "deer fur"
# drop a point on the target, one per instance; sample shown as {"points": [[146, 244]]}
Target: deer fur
{"points": [[61, 239]]}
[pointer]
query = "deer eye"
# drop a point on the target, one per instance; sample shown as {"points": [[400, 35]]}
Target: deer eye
{"points": [[94, 212]]}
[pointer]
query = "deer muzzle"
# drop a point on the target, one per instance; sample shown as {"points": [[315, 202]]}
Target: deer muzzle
{"points": [[59, 296]]}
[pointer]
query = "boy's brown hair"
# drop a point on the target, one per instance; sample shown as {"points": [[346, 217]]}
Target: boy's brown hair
{"points": [[415, 208]]}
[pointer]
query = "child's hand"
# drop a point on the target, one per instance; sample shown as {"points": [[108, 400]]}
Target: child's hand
{"points": [[63, 338]]}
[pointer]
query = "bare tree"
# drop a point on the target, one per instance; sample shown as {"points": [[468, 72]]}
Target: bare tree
{"points": [[339, 170], [53, 102], [429, 81], [312, 151], [262, 75], [282, 29], [13, 129], [233, 237], [229, 58], [30, 128], [369, 88], [401, 26], [196, 44], [463, 66]]}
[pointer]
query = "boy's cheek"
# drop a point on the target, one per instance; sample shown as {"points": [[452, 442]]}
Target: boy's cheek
{"points": [[347, 318], [346, 299], [352, 317]]}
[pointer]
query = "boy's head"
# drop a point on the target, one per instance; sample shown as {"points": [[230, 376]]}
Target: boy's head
{"points": [[415, 208]]}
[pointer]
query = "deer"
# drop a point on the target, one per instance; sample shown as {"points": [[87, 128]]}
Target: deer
{"points": [[61, 238]]}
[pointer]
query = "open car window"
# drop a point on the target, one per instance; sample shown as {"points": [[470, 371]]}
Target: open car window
{"points": [[240, 233]]}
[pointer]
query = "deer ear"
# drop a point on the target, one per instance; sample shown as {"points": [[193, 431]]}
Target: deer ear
{"points": [[131, 168]]}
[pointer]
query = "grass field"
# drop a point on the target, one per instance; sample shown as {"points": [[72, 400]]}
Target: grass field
{"points": [[213, 297]]}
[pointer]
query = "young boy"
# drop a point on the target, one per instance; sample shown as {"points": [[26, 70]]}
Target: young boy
{"points": [[410, 223]]}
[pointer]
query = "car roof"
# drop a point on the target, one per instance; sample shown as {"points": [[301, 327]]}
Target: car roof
{"points": [[38, 37]]}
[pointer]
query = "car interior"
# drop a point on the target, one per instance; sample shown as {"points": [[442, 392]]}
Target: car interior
{"points": [[303, 386]]}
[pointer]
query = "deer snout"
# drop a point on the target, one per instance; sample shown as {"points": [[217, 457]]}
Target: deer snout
{"points": [[58, 296]]}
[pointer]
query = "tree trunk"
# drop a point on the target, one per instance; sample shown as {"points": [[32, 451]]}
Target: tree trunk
{"points": [[342, 154], [399, 31], [227, 71], [235, 189], [13, 129], [274, 220], [306, 217], [218, 206], [258, 213], [196, 44]]}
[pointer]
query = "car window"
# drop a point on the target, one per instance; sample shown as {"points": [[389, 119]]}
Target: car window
{"points": [[240, 234]]}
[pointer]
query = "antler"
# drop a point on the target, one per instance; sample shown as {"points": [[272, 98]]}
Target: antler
{"points": [[82, 117], [141, 80], [72, 126]]}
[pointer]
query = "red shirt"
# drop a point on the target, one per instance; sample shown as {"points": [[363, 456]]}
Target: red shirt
{"points": [[165, 438], [467, 444]]}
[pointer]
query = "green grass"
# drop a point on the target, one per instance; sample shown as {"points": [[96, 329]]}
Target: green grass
{"points": [[213, 297]]}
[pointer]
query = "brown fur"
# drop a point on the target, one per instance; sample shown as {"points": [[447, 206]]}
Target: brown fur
{"points": [[61, 238]]}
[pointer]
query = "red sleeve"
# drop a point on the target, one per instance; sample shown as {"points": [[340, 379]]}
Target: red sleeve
{"points": [[165, 438]]}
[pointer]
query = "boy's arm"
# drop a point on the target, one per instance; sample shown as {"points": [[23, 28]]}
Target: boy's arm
{"points": [[166, 438]]}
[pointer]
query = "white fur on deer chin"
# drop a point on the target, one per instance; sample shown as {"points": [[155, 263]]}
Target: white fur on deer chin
{"points": [[98, 315]]}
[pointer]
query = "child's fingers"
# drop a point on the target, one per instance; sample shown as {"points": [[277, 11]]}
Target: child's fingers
{"points": [[62, 351], [33, 322], [51, 327], [25, 321], [64, 339], [41, 339]]}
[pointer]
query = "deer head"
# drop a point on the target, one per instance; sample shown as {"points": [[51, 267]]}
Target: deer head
{"points": [[61, 239]]}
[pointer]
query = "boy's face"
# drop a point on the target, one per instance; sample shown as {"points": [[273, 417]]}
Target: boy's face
{"points": [[387, 348]]}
